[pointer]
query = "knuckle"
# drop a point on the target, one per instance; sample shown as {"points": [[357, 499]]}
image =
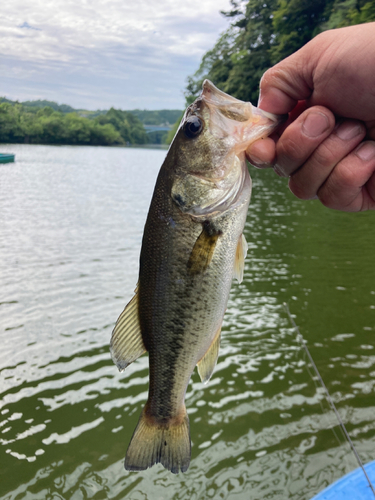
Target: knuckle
{"points": [[330, 198], [337, 192], [325, 156], [300, 190], [326, 198], [346, 176], [289, 147], [275, 73]]}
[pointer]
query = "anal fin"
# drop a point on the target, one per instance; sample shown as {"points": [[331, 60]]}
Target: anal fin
{"points": [[126, 342], [207, 364], [239, 263]]}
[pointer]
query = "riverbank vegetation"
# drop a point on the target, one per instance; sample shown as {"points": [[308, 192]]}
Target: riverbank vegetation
{"points": [[260, 34], [46, 122]]}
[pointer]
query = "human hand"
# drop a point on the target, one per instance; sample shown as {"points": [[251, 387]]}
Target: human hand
{"points": [[327, 87]]}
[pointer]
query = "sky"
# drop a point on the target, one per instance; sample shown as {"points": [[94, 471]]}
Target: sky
{"points": [[94, 54]]}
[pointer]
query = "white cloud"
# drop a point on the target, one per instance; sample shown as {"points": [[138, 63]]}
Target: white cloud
{"points": [[99, 53]]}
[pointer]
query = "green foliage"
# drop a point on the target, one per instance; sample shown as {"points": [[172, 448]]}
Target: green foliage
{"points": [[157, 117], [174, 129], [157, 137], [295, 22], [242, 53], [46, 122], [216, 65], [348, 12], [127, 125], [47, 126], [63, 108], [163, 117], [263, 32], [10, 125]]}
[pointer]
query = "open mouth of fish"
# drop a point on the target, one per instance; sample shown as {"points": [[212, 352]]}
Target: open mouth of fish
{"points": [[232, 118]]}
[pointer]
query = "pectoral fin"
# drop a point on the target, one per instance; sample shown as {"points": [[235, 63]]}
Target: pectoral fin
{"points": [[239, 263], [203, 250], [207, 364], [126, 342]]}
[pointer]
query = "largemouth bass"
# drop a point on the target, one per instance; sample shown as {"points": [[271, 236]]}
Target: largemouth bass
{"points": [[192, 247]]}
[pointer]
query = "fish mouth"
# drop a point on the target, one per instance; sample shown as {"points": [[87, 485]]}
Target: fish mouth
{"points": [[227, 105], [239, 120]]}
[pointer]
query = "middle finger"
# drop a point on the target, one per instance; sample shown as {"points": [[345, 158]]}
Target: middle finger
{"points": [[301, 137], [306, 181]]}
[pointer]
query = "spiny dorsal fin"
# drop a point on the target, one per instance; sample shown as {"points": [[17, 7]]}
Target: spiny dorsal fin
{"points": [[207, 364], [126, 342], [203, 249], [239, 263]]}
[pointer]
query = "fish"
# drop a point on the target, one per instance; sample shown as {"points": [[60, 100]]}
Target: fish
{"points": [[192, 247]]}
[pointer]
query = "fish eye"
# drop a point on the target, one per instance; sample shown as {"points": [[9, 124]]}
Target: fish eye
{"points": [[193, 127]]}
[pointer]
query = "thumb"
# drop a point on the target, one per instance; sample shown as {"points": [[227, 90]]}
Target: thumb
{"points": [[290, 81]]}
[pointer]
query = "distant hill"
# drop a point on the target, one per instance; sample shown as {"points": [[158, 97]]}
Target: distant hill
{"points": [[162, 117], [63, 108], [34, 122], [120, 127], [157, 117]]}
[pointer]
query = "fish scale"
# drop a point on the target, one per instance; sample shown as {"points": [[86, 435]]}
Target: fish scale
{"points": [[192, 247]]}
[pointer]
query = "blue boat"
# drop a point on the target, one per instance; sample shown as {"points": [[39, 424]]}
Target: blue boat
{"points": [[6, 157], [353, 486]]}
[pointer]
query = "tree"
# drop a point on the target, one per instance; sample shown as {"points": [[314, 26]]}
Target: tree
{"points": [[295, 22], [44, 125], [242, 53], [129, 126], [10, 125], [348, 12], [262, 32]]}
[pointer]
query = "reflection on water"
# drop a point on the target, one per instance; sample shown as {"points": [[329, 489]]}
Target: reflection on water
{"points": [[71, 222]]}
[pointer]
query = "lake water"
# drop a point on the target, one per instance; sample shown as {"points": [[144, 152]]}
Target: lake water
{"points": [[71, 221]]}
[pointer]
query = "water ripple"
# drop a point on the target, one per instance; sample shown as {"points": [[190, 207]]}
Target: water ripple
{"points": [[72, 221]]}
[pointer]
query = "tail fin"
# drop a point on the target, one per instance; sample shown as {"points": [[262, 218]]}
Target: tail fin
{"points": [[165, 443]]}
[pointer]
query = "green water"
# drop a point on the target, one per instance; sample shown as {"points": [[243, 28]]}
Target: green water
{"points": [[71, 222]]}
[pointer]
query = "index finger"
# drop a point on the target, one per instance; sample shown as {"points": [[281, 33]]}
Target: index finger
{"points": [[286, 83], [262, 153]]}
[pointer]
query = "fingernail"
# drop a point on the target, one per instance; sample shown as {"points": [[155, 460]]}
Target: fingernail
{"points": [[279, 171], [366, 150], [315, 124], [257, 162], [348, 130]]}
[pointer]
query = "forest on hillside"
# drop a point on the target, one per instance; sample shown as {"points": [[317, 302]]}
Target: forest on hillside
{"points": [[27, 124], [260, 34], [46, 122]]}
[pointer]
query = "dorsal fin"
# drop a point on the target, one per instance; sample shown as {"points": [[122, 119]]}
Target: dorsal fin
{"points": [[239, 263], [126, 342], [207, 364]]}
